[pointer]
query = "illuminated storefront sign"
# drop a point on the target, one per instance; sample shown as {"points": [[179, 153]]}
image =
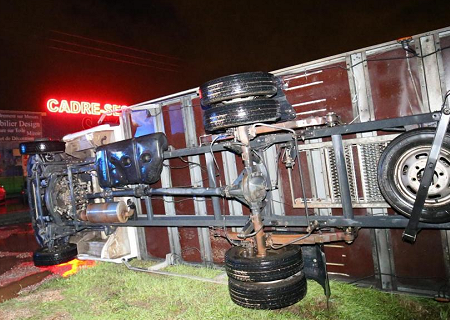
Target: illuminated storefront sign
{"points": [[19, 126], [82, 107]]}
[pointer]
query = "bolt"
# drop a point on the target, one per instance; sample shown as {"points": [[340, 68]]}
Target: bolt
{"points": [[446, 110]]}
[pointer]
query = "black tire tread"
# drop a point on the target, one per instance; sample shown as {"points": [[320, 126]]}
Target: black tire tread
{"points": [[238, 86], [241, 113], [421, 136], [60, 254], [268, 295], [278, 264]]}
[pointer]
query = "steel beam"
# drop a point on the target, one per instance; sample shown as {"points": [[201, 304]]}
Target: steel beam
{"points": [[210, 167], [166, 182], [230, 172], [270, 159], [316, 133], [394, 222], [431, 70], [196, 177], [341, 168], [371, 125]]}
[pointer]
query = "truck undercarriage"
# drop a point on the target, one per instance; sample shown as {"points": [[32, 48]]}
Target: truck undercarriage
{"points": [[111, 184]]}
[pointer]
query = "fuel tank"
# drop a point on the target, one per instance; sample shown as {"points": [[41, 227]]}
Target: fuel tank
{"points": [[132, 161]]}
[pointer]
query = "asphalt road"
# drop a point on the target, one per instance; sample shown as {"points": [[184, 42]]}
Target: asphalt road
{"points": [[13, 211], [17, 243]]}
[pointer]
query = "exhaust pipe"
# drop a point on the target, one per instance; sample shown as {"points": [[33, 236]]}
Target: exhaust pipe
{"points": [[108, 212]]}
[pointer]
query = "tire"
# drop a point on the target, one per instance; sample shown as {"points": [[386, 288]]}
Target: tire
{"points": [[400, 169], [38, 147], [238, 86], [276, 265], [59, 254], [241, 113], [268, 295]]}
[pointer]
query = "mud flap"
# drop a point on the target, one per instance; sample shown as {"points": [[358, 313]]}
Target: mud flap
{"points": [[315, 266]]}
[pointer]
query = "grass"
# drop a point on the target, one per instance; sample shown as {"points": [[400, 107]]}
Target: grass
{"points": [[110, 291]]}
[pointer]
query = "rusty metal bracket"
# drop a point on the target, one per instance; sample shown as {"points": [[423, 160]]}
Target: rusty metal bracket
{"points": [[314, 238]]}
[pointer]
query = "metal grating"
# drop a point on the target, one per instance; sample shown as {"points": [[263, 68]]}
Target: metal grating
{"points": [[361, 162], [333, 178], [369, 155]]}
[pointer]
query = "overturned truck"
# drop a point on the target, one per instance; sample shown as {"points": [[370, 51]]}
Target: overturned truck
{"points": [[106, 177]]}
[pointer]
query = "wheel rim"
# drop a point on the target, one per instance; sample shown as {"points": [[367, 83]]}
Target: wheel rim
{"points": [[409, 170], [57, 196]]}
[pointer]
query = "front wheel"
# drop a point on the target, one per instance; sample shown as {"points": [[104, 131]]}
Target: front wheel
{"points": [[400, 171], [56, 255]]}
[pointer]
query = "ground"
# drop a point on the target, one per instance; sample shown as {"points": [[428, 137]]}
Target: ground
{"points": [[110, 291], [17, 243]]}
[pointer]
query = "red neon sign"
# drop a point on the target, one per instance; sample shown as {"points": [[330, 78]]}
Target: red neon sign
{"points": [[82, 107]]}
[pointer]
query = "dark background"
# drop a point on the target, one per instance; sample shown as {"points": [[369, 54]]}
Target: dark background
{"points": [[126, 52]]}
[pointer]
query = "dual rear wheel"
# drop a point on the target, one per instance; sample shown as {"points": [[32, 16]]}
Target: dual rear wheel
{"points": [[271, 282], [239, 99]]}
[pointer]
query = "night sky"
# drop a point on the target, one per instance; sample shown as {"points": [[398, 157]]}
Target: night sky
{"points": [[127, 52]]}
